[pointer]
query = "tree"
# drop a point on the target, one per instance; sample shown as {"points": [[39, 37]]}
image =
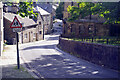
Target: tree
{"points": [[26, 9], [59, 11], [89, 8], [114, 8]]}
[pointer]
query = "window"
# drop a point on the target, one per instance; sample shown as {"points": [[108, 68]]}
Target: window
{"points": [[48, 19], [40, 32], [71, 28], [44, 18], [25, 36], [81, 28], [91, 29], [40, 23], [34, 35]]}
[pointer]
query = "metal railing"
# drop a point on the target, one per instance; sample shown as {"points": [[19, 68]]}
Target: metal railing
{"points": [[102, 40]]}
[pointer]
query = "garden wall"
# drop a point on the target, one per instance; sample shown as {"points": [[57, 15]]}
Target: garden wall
{"points": [[104, 55]]}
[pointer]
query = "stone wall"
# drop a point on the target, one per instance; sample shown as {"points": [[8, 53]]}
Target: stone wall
{"points": [[9, 35], [104, 55], [1, 28]]}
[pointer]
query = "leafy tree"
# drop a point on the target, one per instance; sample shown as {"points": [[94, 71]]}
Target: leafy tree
{"points": [[114, 8], [59, 11], [26, 9], [89, 8], [9, 4]]}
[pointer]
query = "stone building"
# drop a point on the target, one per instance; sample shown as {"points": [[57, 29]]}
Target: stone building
{"points": [[83, 27], [12, 9], [29, 33], [1, 28], [66, 15], [45, 9]]}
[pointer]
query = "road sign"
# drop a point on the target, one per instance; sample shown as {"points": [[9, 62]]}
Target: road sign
{"points": [[16, 29], [15, 23], [16, 26]]}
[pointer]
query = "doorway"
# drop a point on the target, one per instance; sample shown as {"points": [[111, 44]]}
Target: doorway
{"points": [[29, 37]]}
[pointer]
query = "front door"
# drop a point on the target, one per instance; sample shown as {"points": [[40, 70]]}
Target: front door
{"points": [[29, 37], [36, 37]]}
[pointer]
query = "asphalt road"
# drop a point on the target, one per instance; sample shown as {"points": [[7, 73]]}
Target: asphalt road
{"points": [[48, 62]]}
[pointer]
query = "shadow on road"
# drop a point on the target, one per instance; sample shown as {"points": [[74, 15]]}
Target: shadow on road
{"points": [[55, 66], [39, 47], [53, 38]]}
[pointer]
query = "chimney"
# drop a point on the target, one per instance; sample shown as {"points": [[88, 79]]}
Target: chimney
{"points": [[34, 4], [47, 2]]}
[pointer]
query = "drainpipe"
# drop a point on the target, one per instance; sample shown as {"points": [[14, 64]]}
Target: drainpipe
{"points": [[43, 31]]}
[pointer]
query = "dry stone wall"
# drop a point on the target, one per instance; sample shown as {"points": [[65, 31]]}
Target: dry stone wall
{"points": [[101, 54]]}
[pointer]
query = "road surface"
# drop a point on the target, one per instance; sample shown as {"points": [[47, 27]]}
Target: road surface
{"points": [[48, 62]]}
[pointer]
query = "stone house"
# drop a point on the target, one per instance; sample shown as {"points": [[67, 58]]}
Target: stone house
{"points": [[12, 9], [83, 27], [1, 28], [54, 7], [40, 22], [45, 9], [29, 33]]}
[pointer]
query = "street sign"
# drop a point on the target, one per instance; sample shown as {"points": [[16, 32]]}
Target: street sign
{"points": [[16, 29], [16, 26], [15, 23]]}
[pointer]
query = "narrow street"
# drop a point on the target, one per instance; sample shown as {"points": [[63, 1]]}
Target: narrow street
{"points": [[59, 39], [47, 61]]}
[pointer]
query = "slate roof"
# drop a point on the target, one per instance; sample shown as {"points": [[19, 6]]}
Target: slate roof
{"points": [[46, 7], [42, 11], [26, 21]]}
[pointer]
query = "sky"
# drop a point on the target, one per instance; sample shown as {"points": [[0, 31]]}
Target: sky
{"points": [[61, 0]]}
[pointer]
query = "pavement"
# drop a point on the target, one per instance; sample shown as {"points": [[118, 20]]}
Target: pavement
{"points": [[9, 64]]}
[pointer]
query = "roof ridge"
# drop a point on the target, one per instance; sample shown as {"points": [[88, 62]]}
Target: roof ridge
{"points": [[27, 21]]}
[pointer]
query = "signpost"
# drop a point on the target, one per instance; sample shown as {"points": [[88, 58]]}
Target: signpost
{"points": [[16, 26], [16, 29]]}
